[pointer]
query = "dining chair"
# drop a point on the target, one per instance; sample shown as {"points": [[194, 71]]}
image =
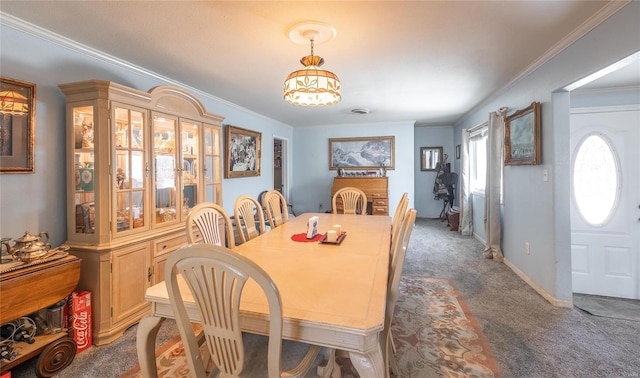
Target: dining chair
{"points": [[207, 217], [399, 214], [353, 200], [399, 250], [248, 214], [276, 208], [216, 277]]}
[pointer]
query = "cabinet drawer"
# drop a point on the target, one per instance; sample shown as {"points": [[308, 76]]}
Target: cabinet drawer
{"points": [[383, 202], [167, 245], [380, 210]]}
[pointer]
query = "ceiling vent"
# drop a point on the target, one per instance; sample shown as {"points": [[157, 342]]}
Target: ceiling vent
{"points": [[360, 111]]}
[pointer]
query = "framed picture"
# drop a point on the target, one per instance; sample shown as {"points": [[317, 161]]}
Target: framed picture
{"points": [[430, 157], [458, 152], [17, 126], [362, 153], [243, 148], [522, 137]]}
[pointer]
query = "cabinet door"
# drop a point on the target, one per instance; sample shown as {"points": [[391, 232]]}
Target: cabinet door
{"points": [[165, 169], [129, 280], [212, 164], [84, 194], [130, 176], [189, 172]]}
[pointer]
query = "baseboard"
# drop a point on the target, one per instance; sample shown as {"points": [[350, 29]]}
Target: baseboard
{"points": [[550, 298], [478, 238]]}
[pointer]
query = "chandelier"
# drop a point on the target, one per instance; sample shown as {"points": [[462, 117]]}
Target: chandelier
{"points": [[311, 86], [13, 103]]}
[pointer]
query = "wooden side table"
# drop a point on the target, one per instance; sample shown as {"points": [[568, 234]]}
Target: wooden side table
{"points": [[29, 289]]}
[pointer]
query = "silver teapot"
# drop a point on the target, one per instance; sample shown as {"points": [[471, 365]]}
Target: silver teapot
{"points": [[28, 247]]}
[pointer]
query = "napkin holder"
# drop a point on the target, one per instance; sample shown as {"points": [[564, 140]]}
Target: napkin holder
{"points": [[312, 227]]}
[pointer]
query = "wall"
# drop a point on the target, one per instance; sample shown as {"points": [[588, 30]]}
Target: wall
{"points": [[430, 136], [313, 179], [536, 211], [36, 202], [605, 97]]}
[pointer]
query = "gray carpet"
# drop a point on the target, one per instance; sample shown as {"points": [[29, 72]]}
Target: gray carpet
{"points": [[616, 308], [529, 337]]}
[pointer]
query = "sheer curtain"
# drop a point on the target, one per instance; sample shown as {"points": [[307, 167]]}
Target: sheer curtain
{"points": [[466, 210], [492, 222]]}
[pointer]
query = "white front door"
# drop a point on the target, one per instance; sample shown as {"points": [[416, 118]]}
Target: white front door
{"points": [[605, 201]]}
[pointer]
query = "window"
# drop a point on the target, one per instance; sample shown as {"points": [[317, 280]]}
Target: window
{"points": [[596, 182], [478, 160]]}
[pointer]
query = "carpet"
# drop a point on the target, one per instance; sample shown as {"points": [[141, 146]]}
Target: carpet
{"points": [[434, 333], [608, 307]]}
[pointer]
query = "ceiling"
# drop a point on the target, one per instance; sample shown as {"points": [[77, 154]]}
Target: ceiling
{"points": [[424, 61]]}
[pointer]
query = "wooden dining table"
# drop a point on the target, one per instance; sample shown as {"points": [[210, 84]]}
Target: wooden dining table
{"points": [[333, 295]]}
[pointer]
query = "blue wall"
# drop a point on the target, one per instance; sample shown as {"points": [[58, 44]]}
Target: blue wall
{"points": [[312, 178]]}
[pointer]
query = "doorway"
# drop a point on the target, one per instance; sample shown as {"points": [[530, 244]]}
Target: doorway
{"points": [[280, 165]]}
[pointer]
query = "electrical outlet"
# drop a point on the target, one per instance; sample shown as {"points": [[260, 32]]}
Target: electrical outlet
{"points": [[526, 248], [321, 207]]}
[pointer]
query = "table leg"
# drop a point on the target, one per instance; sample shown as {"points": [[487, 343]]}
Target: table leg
{"points": [[146, 344], [370, 364], [330, 369]]}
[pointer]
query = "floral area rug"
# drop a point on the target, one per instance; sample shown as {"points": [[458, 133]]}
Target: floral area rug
{"points": [[434, 333]]}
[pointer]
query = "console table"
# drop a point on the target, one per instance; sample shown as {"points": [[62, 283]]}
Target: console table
{"points": [[376, 189]]}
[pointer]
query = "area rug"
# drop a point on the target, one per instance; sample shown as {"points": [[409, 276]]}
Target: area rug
{"points": [[435, 336]]}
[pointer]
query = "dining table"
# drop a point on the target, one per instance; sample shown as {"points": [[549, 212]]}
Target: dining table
{"points": [[333, 294]]}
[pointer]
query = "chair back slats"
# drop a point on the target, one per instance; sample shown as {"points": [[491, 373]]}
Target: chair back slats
{"points": [[207, 217], [399, 250], [247, 212], [399, 214], [216, 277], [354, 201], [276, 206]]}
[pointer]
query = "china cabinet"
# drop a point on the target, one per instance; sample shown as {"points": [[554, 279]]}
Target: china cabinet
{"points": [[136, 163]]}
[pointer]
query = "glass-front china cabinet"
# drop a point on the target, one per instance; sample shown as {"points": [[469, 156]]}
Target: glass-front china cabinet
{"points": [[137, 162]]}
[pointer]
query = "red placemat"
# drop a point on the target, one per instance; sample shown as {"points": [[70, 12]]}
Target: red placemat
{"points": [[303, 238]]}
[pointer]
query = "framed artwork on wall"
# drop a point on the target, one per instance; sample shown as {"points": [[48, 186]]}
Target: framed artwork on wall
{"points": [[362, 153], [242, 152], [522, 136], [17, 126]]}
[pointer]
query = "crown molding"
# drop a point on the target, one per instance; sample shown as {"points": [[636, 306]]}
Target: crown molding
{"points": [[591, 23], [47, 35]]}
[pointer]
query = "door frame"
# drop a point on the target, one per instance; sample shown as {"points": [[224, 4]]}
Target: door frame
{"points": [[284, 154]]}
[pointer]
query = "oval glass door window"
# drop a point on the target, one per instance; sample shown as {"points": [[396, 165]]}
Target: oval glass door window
{"points": [[596, 181]]}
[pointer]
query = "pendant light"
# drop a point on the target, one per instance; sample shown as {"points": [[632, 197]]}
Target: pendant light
{"points": [[311, 86]]}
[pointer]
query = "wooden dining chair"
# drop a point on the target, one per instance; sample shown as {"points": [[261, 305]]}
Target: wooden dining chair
{"points": [[276, 208], [248, 213], [399, 214], [216, 277], [399, 250], [207, 217], [354, 201]]}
